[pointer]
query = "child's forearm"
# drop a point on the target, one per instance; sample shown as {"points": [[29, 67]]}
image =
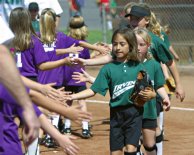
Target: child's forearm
{"points": [[83, 94], [48, 127], [162, 92], [53, 64], [32, 84], [62, 51]]}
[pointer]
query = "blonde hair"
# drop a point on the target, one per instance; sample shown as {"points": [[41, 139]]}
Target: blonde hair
{"points": [[155, 26], [48, 25], [20, 24], [143, 33], [77, 28], [130, 37]]}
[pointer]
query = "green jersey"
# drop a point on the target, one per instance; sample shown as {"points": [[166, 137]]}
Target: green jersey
{"points": [[119, 78], [154, 70], [159, 49], [166, 39], [35, 25]]}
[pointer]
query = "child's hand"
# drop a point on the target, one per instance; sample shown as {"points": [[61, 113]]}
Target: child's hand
{"points": [[76, 114], [147, 94], [166, 104], [75, 49], [104, 49], [69, 147], [79, 61], [82, 77]]}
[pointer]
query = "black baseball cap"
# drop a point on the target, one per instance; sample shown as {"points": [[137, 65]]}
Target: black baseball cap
{"points": [[33, 6], [139, 11]]}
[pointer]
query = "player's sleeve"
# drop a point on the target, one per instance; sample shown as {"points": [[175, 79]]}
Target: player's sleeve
{"points": [[159, 79], [101, 84], [38, 52]]}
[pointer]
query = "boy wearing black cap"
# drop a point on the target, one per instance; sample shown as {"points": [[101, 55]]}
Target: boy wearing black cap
{"points": [[33, 9]]}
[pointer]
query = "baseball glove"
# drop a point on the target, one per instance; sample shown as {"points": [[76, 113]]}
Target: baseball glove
{"points": [[143, 82]]}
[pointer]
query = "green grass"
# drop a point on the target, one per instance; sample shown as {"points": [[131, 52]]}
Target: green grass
{"points": [[97, 36]]}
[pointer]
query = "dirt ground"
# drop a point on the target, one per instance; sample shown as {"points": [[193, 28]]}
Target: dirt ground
{"points": [[179, 127]]}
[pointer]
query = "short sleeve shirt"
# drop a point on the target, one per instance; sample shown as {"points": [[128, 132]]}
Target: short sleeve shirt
{"points": [[159, 50], [155, 73], [28, 60], [68, 70], [119, 78], [56, 74]]}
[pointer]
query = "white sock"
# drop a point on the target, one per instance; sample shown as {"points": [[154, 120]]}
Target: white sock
{"points": [[67, 123], [85, 125], [33, 149], [55, 120], [160, 148], [161, 118]]}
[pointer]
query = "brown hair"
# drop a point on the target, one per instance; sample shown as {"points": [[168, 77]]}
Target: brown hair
{"points": [[20, 24], [130, 37]]}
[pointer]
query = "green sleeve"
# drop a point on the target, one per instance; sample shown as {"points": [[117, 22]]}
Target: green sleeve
{"points": [[159, 79], [101, 83]]}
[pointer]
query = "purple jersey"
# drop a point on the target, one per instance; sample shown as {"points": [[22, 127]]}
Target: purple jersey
{"points": [[56, 75], [28, 60], [9, 137], [68, 70]]}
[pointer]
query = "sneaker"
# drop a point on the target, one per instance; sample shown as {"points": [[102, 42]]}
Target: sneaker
{"points": [[50, 143], [66, 131], [86, 133]]}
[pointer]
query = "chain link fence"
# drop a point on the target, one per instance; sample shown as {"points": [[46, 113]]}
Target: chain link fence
{"points": [[179, 15]]}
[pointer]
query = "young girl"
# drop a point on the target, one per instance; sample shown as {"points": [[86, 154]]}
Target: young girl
{"points": [[56, 46], [125, 116], [155, 72], [29, 52], [149, 123], [79, 31]]}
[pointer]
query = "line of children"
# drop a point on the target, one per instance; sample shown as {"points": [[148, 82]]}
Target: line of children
{"points": [[125, 116], [57, 45]]}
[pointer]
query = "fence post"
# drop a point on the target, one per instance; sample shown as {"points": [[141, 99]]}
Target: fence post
{"points": [[104, 28]]}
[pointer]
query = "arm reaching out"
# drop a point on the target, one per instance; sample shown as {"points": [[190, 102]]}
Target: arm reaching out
{"points": [[64, 141], [94, 62], [73, 113], [73, 49]]}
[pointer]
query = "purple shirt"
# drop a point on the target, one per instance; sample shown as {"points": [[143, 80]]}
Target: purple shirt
{"points": [[68, 70], [56, 75], [28, 60], [9, 137]]}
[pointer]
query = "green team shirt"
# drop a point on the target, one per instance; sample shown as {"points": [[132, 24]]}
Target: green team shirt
{"points": [[119, 78], [35, 25], [159, 49], [166, 39], [154, 70]]}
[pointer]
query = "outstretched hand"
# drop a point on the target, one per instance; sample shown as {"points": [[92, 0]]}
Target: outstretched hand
{"points": [[65, 141], [82, 77], [76, 114]]}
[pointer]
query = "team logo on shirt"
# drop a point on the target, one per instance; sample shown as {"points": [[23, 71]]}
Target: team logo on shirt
{"points": [[121, 88], [49, 47]]}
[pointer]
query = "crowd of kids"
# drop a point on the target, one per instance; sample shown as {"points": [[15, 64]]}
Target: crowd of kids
{"points": [[51, 66]]}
